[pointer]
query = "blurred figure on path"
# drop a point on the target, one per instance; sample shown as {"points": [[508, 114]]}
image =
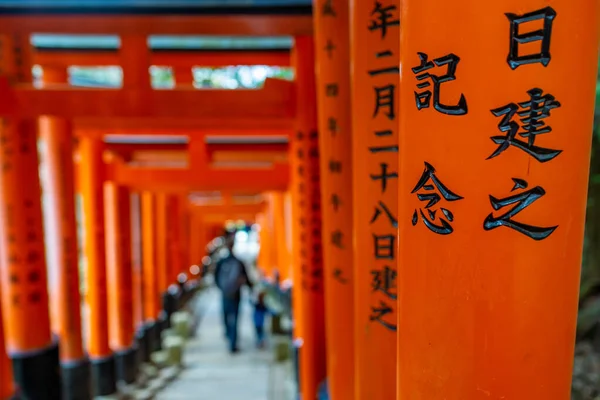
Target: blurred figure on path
{"points": [[230, 276]]}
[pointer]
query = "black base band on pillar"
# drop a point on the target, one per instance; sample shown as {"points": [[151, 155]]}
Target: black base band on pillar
{"points": [[104, 379], [153, 334], [76, 383], [141, 337], [127, 365], [38, 374], [163, 322]]}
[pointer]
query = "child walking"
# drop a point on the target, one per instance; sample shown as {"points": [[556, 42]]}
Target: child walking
{"points": [[260, 312]]}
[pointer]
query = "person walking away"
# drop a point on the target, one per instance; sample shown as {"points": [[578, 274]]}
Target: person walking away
{"points": [[260, 312], [230, 276]]}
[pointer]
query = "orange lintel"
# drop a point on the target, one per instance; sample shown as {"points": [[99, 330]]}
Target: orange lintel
{"points": [[176, 179], [245, 25], [275, 100], [176, 59], [179, 126]]}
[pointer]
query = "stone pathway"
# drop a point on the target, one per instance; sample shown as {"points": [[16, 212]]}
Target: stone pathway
{"points": [[212, 373]]}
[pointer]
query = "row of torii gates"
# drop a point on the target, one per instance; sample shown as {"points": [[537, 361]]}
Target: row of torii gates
{"points": [[418, 273]]}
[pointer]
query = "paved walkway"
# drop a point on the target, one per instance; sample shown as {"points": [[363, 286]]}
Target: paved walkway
{"points": [[212, 373]]}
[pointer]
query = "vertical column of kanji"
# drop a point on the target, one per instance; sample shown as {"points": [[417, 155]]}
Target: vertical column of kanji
{"points": [[149, 276], [375, 57], [23, 264], [119, 277], [60, 227], [138, 278], [307, 180], [91, 184], [333, 90], [493, 194]]}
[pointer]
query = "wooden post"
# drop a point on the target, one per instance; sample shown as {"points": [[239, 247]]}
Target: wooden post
{"points": [[174, 258], [7, 386], [61, 245], [335, 144], [138, 278], [375, 83], [150, 283], [91, 185], [161, 257], [120, 280], [23, 264], [308, 276], [264, 255], [281, 259], [496, 121]]}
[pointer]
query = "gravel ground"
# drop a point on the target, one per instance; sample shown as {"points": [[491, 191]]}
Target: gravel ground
{"points": [[586, 373]]}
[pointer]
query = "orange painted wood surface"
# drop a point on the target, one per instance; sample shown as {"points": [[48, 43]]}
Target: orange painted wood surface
{"points": [[161, 242], [374, 28], [61, 235], [91, 185], [305, 178], [332, 44], [182, 24], [23, 262], [137, 259], [177, 126], [151, 305], [7, 387], [119, 266], [24, 100], [494, 157]]}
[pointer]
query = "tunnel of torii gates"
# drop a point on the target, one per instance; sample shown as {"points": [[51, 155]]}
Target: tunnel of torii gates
{"points": [[423, 221]]}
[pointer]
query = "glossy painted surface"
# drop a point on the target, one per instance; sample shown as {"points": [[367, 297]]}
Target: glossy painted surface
{"points": [[472, 301]]}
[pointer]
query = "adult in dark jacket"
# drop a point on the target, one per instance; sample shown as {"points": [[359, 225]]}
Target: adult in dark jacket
{"points": [[230, 276]]}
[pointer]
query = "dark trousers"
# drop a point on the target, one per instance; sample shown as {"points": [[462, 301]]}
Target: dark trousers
{"points": [[231, 308]]}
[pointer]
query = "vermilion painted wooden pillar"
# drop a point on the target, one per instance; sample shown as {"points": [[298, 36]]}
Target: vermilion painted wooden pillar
{"points": [[23, 264], [183, 76], [496, 123], [91, 184], [308, 279], [138, 278], [281, 256], [288, 220], [60, 225], [264, 256], [151, 305], [375, 85], [174, 260], [162, 256], [7, 387], [120, 280], [335, 143]]}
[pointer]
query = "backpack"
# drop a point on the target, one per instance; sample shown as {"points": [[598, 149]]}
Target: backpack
{"points": [[230, 276]]}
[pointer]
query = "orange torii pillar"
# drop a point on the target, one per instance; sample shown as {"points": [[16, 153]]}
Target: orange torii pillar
{"points": [[495, 154], [120, 280], [28, 340], [265, 240], [151, 303], [308, 271], [161, 214], [61, 245], [91, 185], [174, 260], [138, 277], [282, 256], [335, 143], [7, 386], [375, 84]]}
